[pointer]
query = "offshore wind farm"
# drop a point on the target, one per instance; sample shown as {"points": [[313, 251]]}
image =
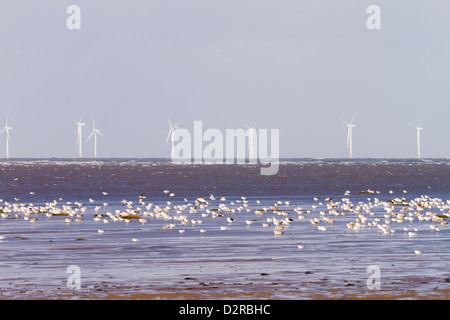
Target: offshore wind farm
{"points": [[250, 134]]}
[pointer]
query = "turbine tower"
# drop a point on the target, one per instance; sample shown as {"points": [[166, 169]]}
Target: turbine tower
{"points": [[8, 138], [418, 128], [252, 143], [94, 133], [79, 139], [170, 136], [350, 126]]}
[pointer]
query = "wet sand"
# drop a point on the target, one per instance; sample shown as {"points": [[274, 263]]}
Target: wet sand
{"points": [[279, 285], [192, 289]]}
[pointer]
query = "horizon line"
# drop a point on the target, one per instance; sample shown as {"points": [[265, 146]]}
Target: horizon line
{"points": [[213, 159]]}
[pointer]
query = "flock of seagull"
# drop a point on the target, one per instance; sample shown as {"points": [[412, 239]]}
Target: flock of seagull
{"points": [[376, 214]]}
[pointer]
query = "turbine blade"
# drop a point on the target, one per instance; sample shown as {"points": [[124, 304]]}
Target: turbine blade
{"points": [[345, 122], [353, 119], [245, 124], [90, 136]]}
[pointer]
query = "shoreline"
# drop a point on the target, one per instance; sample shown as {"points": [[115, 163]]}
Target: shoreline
{"points": [[220, 288]]}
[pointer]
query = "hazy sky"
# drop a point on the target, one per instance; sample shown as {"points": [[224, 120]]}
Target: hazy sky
{"points": [[298, 66]]}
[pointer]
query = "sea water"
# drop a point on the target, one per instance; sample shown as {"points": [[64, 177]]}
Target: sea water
{"points": [[34, 257]]}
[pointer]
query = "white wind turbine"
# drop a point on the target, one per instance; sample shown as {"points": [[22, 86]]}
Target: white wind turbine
{"points": [[350, 126], [94, 133], [79, 139], [170, 136], [252, 143], [8, 138], [418, 128]]}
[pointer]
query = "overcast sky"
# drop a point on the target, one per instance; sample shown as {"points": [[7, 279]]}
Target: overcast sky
{"points": [[297, 66]]}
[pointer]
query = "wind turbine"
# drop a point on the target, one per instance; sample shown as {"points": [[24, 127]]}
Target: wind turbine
{"points": [[350, 126], [418, 128], [172, 128], [79, 139], [251, 140], [94, 133], [8, 138]]}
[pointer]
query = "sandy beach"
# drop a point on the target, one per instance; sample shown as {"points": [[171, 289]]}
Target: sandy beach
{"points": [[257, 287]]}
